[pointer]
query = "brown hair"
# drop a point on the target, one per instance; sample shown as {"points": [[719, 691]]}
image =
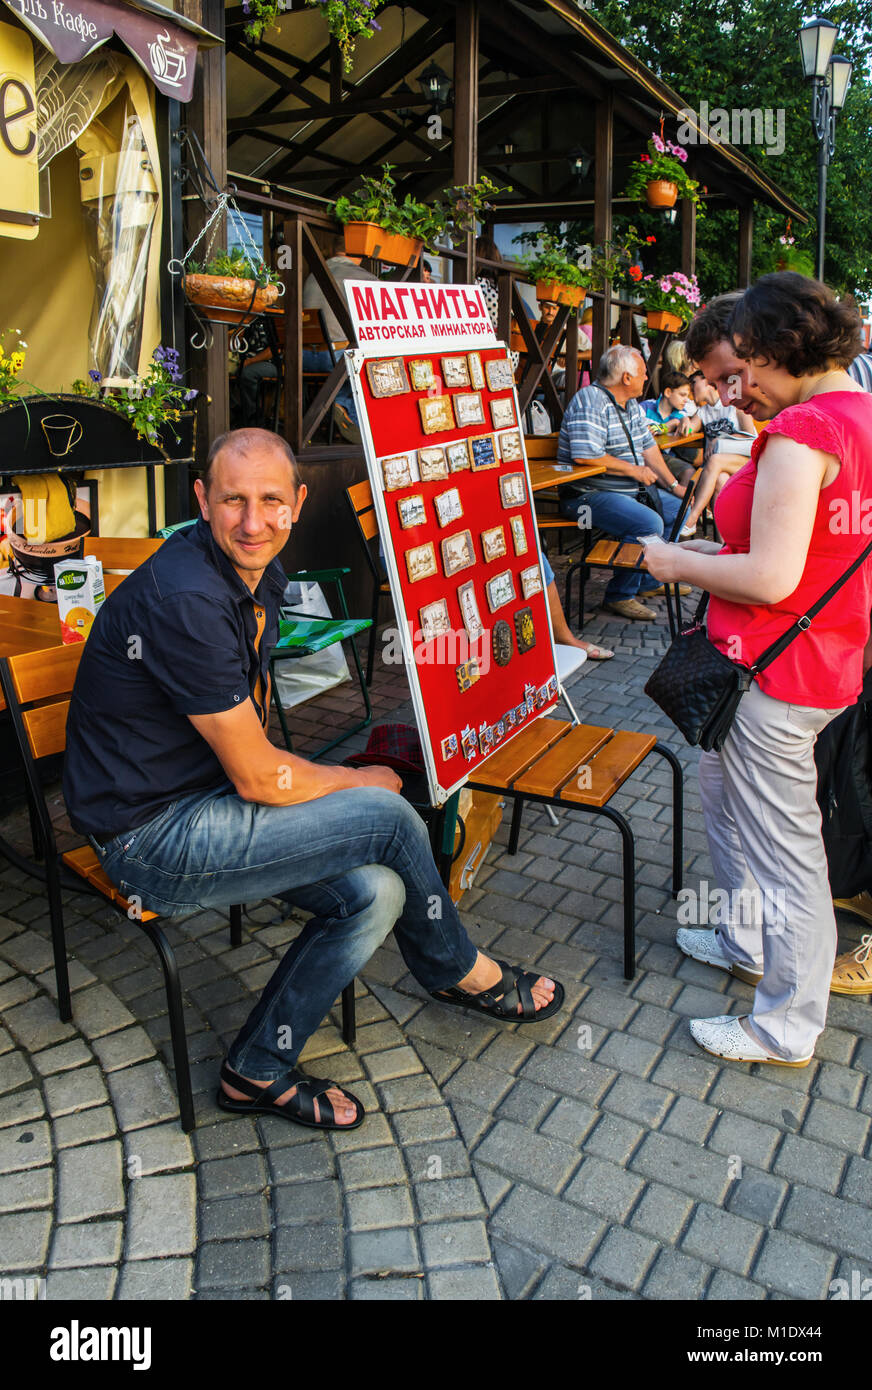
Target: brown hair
{"points": [[795, 323], [249, 441], [487, 249], [711, 325], [673, 381]]}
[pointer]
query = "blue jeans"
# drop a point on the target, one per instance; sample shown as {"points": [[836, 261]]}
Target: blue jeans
{"points": [[359, 860], [621, 515], [322, 362]]}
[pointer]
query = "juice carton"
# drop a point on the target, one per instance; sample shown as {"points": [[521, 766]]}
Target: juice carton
{"points": [[80, 592]]}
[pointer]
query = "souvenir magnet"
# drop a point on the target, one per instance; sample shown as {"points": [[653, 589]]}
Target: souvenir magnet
{"points": [[421, 562], [468, 409], [436, 414], [493, 544], [387, 377], [457, 553], [501, 641], [525, 630]]}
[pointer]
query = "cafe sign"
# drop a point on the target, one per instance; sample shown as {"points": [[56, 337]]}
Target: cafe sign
{"points": [[19, 171], [74, 28]]}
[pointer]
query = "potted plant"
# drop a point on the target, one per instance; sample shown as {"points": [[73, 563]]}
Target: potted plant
{"points": [[377, 225], [556, 274], [470, 202], [670, 300], [152, 403], [231, 286], [660, 176]]}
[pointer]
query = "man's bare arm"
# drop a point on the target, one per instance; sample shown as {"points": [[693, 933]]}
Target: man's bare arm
{"points": [[271, 776]]}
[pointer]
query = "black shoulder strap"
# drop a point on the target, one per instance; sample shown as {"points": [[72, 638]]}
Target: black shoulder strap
{"points": [[621, 417]]}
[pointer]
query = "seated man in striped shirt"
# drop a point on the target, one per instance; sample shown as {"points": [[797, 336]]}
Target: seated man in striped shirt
{"points": [[861, 370], [604, 423]]}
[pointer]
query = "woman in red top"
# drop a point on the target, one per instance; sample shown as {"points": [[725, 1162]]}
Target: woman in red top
{"points": [[792, 519]]}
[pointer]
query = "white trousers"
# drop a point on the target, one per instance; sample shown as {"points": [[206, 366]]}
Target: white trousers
{"points": [[764, 833]]}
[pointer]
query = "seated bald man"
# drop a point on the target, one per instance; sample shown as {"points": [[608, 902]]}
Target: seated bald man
{"points": [[171, 775]]}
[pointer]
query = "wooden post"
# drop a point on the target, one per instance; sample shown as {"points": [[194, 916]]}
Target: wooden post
{"points": [[293, 304], [602, 218], [465, 140], [746, 244], [688, 236], [206, 114]]}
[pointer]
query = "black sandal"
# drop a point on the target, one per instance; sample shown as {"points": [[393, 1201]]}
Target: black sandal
{"points": [[502, 999], [300, 1109]]}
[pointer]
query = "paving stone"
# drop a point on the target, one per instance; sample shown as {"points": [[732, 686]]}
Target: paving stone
{"points": [[161, 1216], [226, 1177], [312, 1248], [64, 1057], [507, 1052], [839, 1084], [91, 1243], [233, 1264], [804, 1160], [565, 1285], [519, 1270], [391, 1251], [89, 1182], [636, 1099], [123, 1049], [614, 1138], [829, 1221], [653, 1023], [75, 1091], [371, 1168], [628, 1054], [85, 1127], [408, 1093], [238, 1218], [156, 1280], [752, 1142], [455, 1242], [15, 991], [435, 1162], [95, 1285], [449, 1198], [721, 1238], [533, 1158], [464, 1035], [857, 1185], [526, 1103], [676, 1276], [229, 1138], [24, 1239], [604, 1188], [604, 1006], [99, 1011], [376, 1208], [421, 1126], [388, 1290], [759, 1196], [690, 1076], [662, 1213], [570, 1120], [301, 1162], [142, 1096], [26, 1191], [794, 1266], [624, 1257], [676, 1163], [834, 1124], [730, 1288], [690, 1119], [20, 1106], [756, 1097], [475, 1084], [375, 1131], [24, 1146], [494, 1185], [568, 1074], [534, 1219]]}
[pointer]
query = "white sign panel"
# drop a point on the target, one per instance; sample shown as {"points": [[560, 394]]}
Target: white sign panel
{"points": [[406, 318]]}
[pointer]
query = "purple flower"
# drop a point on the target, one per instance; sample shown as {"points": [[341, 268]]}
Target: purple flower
{"points": [[189, 395], [374, 24], [95, 375]]}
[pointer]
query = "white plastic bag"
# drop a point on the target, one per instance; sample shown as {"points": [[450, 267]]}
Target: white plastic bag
{"points": [[540, 420], [303, 677]]}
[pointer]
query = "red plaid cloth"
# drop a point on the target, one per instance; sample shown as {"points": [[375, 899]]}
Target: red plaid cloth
{"points": [[392, 745]]}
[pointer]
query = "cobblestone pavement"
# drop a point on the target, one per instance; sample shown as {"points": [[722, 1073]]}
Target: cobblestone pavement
{"points": [[600, 1152]]}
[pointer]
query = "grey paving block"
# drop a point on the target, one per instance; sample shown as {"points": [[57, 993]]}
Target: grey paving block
{"points": [[749, 1140], [857, 1185], [820, 1165], [99, 1011], [624, 1257], [722, 1239], [662, 1213], [371, 1168], [375, 1131], [652, 1023], [568, 1285], [829, 1221], [448, 1199], [90, 1243], [568, 1074], [396, 1290], [233, 1264], [636, 1099], [454, 1243], [309, 1249], [835, 1124], [476, 1284], [604, 1188], [408, 1093], [421, 1126], [570, 1120], [229, 1138], [758, 1196], [157, 1280], [434, 1162], [678, 1164], [35, 1024], [508, 1051], [89, 1182], [64, 1057], [471, 1121], [93, 1285], [239, 1218], [85, 1127], [731, 1289], [75, 1091], [794, 1266], [310, 1287], [227, 1177], [614, 1138], [755, 1096], [531, 1218], [676, 1276], [24, 1239], [384, 1252], [839, 1084], [494, 1185], [21, 1106], [142, 1096], [301, 1162], [475, 1084], [630, 1055], [452, 1029], [533, 1158], [526, 1104], [24, 1146], [28, 1190], [689, 1119], [377, 1208], [161, 1216]]}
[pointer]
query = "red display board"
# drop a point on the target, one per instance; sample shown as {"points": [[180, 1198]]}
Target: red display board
{"points": [[455, 514]]}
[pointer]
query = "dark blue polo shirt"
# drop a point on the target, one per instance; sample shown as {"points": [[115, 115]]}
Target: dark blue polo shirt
{"points": [[182, 635]]}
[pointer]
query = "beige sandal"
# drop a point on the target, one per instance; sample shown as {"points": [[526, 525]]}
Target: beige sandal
{"points": [[852, 972], [860, 906]]}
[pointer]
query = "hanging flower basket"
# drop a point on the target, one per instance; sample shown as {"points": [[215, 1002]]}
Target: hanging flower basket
{"points": [[661, 193], [573, 295], [227, 299], [661, 321], [369, 239]]}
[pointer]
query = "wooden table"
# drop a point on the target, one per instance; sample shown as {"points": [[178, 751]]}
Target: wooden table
{"points": [[545, 475], [26, 625], [678, 443]]}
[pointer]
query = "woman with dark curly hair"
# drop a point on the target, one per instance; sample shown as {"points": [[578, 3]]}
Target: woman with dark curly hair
{"points": [[792, 521]]}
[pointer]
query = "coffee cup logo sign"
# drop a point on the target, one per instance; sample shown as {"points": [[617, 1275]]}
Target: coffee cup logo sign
{"points": [[167, 62]]}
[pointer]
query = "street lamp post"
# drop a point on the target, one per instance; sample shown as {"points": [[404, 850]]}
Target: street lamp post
{"points": [[829, 75]]}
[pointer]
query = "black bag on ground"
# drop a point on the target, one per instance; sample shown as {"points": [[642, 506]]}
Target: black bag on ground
{"points": [[843, 754]]}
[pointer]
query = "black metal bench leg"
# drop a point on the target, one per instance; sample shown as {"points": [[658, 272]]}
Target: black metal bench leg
{"points": [[349, 1015], [59, 946], [236, 925], [177, 1024], [515, 827], [629, 861], [677, 816]]}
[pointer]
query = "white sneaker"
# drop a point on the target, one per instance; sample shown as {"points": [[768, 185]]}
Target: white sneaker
{"points": [[704, 945], [724, 1036]]}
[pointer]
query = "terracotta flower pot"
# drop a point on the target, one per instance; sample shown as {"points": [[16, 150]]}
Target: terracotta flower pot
{"points": [[369, 239], [661, 193], [573, 295], [661, 321], [227, 298]]}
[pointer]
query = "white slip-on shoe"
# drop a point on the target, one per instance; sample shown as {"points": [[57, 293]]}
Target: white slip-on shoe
{"points": [[703, 945], [724, 1036]]}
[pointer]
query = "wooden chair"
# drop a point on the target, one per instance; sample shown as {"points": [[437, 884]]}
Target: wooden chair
{"points": [[360, 501], [316, 339], [37, 688]]}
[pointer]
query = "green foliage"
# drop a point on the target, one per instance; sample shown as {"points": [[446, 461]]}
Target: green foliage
{"points": [[149, 402], [663, 161], [677, 293], [11, 364], [376, 201], [348, 20], [471, 201], [235, 264], [265, 16], [744, 54]]}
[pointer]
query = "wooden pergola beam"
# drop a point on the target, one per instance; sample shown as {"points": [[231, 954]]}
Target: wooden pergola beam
{"points": [[466, 99], [602, 215]]}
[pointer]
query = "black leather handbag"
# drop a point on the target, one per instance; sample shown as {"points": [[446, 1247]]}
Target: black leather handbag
{"points": [[700, 688]]}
